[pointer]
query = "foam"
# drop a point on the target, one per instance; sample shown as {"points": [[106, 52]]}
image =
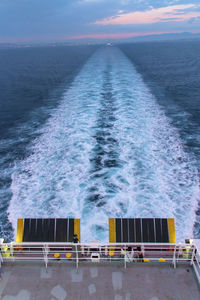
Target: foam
{"points": [[151, 175]]}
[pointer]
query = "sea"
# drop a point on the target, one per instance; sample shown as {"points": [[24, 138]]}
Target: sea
{"points": [[100, 131]]}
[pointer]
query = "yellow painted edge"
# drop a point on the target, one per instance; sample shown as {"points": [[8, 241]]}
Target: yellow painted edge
{"points": [[77, 230], [20, 229], [146, 260], [162, 259], [111, 230], [171, 230]]}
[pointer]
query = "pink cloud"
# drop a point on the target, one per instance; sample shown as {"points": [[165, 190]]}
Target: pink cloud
{"points": [[154, 15], [100, 36], [119, 35]]}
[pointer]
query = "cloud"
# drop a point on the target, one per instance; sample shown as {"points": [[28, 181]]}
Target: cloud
{"points": [[119, 35], [193, 20], [102, 36], [49, 20], [124, 2], [177, 13], [90, 1]]}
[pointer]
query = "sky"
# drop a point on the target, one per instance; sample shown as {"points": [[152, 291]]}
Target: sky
{"points": [[63, 20]]}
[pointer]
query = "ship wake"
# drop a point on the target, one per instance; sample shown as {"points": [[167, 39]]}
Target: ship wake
{"points": [[107, 150]]}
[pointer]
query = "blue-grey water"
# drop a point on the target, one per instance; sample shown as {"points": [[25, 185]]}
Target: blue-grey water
{"points": [[99, 132]]}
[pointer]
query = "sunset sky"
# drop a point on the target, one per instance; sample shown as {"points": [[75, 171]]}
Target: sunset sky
{"points": [[58, 20]]}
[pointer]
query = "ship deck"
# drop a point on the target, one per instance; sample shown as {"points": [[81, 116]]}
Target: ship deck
{"points": [[61, 280]]}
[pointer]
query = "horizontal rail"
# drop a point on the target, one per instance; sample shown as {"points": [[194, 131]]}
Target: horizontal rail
{"points": [[107, 252]]}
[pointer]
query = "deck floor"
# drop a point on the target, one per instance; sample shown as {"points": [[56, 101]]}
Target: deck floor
{"points": [[31, 281]]}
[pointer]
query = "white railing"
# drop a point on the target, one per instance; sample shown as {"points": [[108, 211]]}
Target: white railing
{"points": [[127, 253]]}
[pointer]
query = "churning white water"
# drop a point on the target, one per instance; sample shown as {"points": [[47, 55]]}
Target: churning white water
{"points": [[108, 150]]}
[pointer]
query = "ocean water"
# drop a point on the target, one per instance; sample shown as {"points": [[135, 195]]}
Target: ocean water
{"points": [[102, 141], [32, 81], [172, 72]]}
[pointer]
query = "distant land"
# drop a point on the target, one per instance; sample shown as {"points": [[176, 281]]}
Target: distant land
{"points": [[88, 41], [166, 36]]}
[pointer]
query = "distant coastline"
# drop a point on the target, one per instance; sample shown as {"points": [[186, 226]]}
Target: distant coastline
{"points": [[91, 41]]}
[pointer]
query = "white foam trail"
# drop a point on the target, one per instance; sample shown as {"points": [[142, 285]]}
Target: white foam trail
{"points": [[158, 178], [153, 176], [51, 181]]}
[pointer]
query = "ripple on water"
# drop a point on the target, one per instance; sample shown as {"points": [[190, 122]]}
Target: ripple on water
{"points": [[108, 150]]}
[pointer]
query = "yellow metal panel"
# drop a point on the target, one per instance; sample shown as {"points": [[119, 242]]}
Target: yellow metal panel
{"points": [[20, 229], [77, 230], [111, 230], [171, 230]]}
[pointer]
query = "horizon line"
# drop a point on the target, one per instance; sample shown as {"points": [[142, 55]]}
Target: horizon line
{"points": [[95, 36]]}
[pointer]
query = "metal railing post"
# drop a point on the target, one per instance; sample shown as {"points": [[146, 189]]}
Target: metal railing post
{"points": [[125, 258], [179, 252], [45, 251], [143, 249], [174, 258], [106, 250], [11, 251], [193, 255], [1, 243], [76, 256]]}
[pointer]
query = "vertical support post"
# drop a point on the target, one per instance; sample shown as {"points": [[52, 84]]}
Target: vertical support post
{"points": [[193, 255], [11, 248], [125, 258], [46, 251], [179, 252], [106, 250], [46, 261], [76, 256], [82, 250], [143, 250], [174, 258], [11, 251], [88, 250], [1, 244]]}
